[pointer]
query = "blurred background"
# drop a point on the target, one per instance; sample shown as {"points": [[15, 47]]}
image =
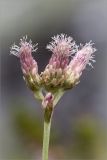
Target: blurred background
{"points": [[79, 127]]}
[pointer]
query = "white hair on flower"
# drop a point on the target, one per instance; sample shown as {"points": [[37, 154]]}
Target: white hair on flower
{"points": [[61, 44], [15, 50], [83, 57], [89, 51]]}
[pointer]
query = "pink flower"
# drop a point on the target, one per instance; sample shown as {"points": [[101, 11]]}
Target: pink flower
{"points": [[24, 52], [62, 47], [75, 68], [82, 58]]}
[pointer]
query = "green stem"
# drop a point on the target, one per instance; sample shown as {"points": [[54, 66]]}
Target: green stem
{"points": [[46, 134], [57, 96], [38, 95]]}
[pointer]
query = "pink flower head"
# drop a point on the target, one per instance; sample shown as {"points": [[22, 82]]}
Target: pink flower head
{"points": [[62, 47], [54, 75], [24, 52], [82, 58]]}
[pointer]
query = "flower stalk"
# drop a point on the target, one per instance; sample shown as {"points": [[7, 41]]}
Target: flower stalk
{"points": [[46, 134]]}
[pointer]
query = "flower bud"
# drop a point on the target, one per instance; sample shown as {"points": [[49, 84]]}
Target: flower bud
{"points": [[48, 100], [28, 64]]}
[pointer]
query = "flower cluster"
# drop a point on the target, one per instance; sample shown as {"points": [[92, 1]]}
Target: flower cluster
{"points": [[67, 62], [63, 70]]}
